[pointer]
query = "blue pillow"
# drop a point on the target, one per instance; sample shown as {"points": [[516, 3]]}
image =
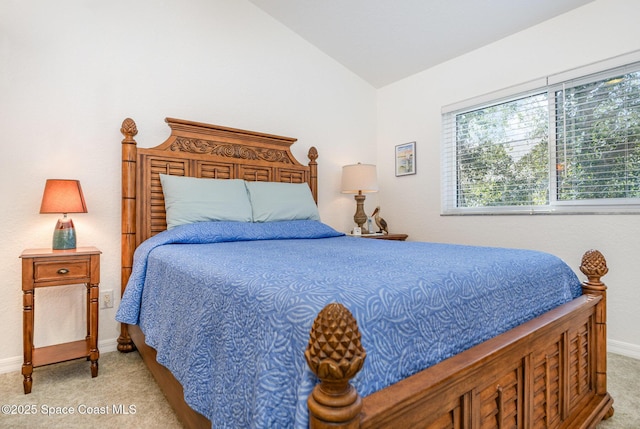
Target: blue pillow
{"points": [[191, 199], [275, 201]]}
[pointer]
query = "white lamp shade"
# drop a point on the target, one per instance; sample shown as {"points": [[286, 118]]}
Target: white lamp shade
{"points": [[358, 178]]}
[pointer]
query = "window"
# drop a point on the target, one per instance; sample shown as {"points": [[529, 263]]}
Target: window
{"points": [[570, 146]]}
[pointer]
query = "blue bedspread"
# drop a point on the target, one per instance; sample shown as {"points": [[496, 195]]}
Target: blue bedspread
{"points": [[229, 309]]}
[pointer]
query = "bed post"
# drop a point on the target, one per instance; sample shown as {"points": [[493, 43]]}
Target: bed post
{"points": [[334, 354], [128, 240], [594, 266], [313, 172]]}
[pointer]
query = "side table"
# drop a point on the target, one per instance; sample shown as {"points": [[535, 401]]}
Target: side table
{"points": [[47, 268], [396, 237]]}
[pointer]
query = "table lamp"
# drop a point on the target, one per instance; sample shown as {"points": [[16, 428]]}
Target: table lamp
{"points": [[359, 179], [63, 196]]}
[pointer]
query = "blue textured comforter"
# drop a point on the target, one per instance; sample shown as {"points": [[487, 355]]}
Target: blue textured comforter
{"points": [[228, 307]]}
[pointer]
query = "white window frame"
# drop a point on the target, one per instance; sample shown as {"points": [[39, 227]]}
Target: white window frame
{"points": [[550, 84]]}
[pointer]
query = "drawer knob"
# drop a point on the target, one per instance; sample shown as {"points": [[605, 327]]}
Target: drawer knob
{"points": [[63, 271]]}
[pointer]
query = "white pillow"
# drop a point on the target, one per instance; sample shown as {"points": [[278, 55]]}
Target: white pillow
{"points": [[191, 199], [275, 201]]}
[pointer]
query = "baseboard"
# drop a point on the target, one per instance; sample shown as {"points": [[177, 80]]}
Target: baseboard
{"points": [[15, 363], [10, 364], [110, 345], [624, 349]]}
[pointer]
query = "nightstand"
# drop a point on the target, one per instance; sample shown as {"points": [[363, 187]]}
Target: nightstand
{"points": [[47, 268], [396, 237]]}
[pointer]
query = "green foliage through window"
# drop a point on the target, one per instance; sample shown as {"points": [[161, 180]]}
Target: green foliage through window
{"points": [[598, 131], [502, 154], [575, 143]]}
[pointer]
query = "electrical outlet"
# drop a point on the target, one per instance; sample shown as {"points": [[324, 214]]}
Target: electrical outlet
{"points": [[106, 299]]}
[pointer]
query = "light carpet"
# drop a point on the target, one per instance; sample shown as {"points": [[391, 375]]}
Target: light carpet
{"points": [[125, 395]]}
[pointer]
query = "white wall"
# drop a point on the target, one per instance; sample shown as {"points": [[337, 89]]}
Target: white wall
{"points": [[410, 110], [71, 71]]}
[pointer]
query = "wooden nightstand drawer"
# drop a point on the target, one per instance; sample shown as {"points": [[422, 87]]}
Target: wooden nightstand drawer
{"points": [[67, 271], [46, 267]]}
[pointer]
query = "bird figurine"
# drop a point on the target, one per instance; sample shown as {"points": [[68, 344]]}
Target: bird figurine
{"points": [[382, 224]]}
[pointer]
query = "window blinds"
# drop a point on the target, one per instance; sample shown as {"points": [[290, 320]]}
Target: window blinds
{"points": [[598, 138], [571, 144]]}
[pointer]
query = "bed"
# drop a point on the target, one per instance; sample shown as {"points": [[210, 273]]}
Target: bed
{"points": [[325, 353]]}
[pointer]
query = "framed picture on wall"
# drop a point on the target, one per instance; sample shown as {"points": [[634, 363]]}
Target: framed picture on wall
{"points": [[406, 159]]}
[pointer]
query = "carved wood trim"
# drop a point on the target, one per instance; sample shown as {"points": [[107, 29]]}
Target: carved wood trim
{"points": [[334, 354], [228, 150], [594, 266], [128, 240]]}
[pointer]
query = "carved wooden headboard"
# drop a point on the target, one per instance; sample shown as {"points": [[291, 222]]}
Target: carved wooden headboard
{"points": [[197, 150], [201, 150]]}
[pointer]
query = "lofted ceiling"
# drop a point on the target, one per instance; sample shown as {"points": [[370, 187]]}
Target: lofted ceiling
{"points": [[383, 41]]}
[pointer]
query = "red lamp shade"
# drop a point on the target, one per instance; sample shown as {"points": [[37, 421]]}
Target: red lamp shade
{"points": [[63, 196]]}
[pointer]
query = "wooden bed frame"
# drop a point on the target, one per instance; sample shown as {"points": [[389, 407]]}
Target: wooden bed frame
{"points": [[547, 373]]}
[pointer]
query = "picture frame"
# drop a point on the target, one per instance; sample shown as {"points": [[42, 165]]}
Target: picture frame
{"points": [[405, 159]]}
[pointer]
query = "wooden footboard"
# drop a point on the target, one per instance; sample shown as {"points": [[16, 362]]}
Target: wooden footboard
{"points": [[547, 373]]}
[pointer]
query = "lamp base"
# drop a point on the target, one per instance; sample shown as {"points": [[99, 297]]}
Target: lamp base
{"points": [[64, 236], [360, 217]]}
